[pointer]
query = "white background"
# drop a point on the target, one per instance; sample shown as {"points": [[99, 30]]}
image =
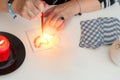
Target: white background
{"points": [[67, 61]]}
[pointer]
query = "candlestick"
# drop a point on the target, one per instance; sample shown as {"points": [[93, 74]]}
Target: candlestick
{"points": [[4, 48]]}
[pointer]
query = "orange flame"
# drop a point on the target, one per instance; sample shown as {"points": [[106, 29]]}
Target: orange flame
{"points": [[46, 41]]}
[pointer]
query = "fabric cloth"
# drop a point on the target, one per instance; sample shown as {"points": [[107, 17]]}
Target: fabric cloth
{"points": [[106, 3], [96, 32]]}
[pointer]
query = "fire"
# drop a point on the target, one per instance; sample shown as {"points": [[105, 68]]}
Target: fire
{"points": [[1, 42], [45, 41]]}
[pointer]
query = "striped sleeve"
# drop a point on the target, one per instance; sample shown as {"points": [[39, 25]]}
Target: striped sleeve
{"points": [[106, 3]]}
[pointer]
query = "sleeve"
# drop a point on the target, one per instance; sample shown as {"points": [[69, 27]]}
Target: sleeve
{"points": [[106, 3], [55, 2]]}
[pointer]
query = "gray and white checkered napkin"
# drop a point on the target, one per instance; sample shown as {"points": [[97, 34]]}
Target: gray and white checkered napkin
{"points": [[96, 32]]}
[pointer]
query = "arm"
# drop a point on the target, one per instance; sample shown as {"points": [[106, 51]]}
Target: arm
{"points": [[3, 6], [68, 10], [88, 5], [29, 9], [93, 5]]}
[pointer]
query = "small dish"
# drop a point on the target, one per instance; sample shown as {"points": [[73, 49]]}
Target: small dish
{"points": [[17, 54]]}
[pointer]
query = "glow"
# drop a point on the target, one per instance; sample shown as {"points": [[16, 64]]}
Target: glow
{"points": [[45, 41], [1, 42]]}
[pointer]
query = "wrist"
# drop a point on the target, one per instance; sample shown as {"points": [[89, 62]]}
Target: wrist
{"points": [[10, 9], [11, 1], [13, 7], [77, 7]]}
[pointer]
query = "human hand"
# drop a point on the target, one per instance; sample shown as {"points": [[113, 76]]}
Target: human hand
{"points": [[29, 9], [59, 15]]}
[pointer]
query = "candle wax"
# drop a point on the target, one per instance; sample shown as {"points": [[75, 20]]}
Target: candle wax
{"points": [[4, 48]]}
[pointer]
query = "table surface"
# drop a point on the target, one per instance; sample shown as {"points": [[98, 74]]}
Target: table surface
{"points": [[66, 61]]}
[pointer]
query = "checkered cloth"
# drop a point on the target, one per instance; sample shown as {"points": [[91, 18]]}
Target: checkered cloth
{"points": [[96, 32]]}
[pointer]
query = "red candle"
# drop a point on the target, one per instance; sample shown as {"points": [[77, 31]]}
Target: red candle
{"points": [[4, 48]]}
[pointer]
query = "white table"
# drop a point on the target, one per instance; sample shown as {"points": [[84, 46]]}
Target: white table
{"points": [[64, 62]]}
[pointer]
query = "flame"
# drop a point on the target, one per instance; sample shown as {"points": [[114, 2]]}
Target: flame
{"points": [[2, 42], [45, 41]]}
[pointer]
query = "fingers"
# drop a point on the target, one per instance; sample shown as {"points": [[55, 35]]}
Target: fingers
{"points": [[45, 4], [61, 23], [35, 9], [55, 19], [31, 9], [56, 23], [47, 13], [39, 5]]}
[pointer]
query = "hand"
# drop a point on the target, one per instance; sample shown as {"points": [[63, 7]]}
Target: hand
{"points": [[59, 15], [29, 9]]}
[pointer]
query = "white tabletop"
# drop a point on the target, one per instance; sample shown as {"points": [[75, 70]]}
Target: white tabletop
{"points": [[67, 61]]}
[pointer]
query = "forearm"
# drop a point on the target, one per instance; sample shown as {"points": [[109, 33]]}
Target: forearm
{"points": [[3, 6], [88, 5], [93, 5]]}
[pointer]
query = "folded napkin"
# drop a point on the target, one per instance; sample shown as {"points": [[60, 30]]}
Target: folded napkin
{"points": [[96, 32]]}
